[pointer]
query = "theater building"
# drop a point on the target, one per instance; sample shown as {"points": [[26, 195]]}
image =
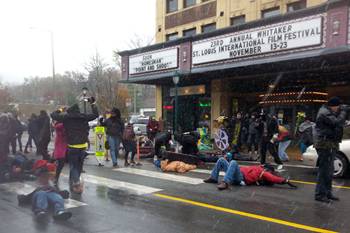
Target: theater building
{"points": [[287, 63]]}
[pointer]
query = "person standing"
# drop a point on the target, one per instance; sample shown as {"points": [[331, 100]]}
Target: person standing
{"points": [[7, 132], [17, 136], [305, 132], [253, 136], [269, 134], [60, 151], [152, 128], [77, 128], [284, 140], [44, 136], [129, 144], [32, 129], [114, 130], [329, 133]]}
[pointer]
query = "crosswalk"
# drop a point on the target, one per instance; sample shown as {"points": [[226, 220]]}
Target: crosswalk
{"points": [[161, 175]]}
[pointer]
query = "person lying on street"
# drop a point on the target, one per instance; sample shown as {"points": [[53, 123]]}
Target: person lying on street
{"points": [[46, 196], [248, 175], [17, 168]]}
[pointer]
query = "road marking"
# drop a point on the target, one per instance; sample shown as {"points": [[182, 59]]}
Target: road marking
{"points": [[119, 185], [161, 175], [245, 214], [204, 171], [314, 183], [23, 189]]}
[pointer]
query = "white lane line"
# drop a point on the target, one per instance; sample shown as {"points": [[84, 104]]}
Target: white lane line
{"points": [[119, 185], [161, 175], [22, 189]]}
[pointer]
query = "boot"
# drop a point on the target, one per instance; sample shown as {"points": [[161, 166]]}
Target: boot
{"points": [[222, 186], [126, 164]]}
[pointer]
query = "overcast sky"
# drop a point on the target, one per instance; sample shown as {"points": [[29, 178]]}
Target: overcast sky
{"points": [[79, 26]]}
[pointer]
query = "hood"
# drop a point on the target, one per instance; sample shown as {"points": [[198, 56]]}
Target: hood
{"points": [[73, 109], [305, 125]]}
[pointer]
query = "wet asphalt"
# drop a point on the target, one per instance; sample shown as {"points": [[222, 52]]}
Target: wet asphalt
{"points": [[115, 210]]}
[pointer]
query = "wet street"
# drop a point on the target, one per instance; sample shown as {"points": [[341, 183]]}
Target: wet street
{"points": [[143, 199]]}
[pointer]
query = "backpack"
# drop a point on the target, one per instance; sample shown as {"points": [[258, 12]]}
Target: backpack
{"points": [[128, 133]]}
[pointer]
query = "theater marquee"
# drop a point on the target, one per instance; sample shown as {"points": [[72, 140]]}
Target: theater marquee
{"points": [[155, 61], [279, 37]]}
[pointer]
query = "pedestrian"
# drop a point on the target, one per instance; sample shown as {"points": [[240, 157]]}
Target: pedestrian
{"points": [[253, 135], [44, 137], [305, 132], [284, 140], [46, 196], [330, 122], [129, 143], [7, 132], [76, 125], [114, 130], [32, 131], [245, 131], [235, 129], [247, 175], [18, 136], [269, 132], [152, 128], [60, 150]]}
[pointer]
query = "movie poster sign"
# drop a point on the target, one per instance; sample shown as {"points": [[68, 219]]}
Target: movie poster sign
{"points": [[279, 37], [154, 61]]}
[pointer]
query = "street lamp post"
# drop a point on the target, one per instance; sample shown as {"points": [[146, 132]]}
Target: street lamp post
{"points": [[85, 91], [52, 59], [176, 80]]}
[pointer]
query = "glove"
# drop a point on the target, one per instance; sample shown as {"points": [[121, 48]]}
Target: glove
{"points": [[290, 184], [92, 100]]}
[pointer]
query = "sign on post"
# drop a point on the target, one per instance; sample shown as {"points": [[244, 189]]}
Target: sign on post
{"points": [[100, 139]]}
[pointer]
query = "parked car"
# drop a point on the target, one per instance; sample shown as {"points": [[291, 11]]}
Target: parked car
{"points": [[134, 118], [140, 126], [341, 162]]}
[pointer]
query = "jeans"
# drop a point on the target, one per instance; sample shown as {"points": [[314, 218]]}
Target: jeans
{"points": [[60, 164], [325, 172], [76, 161], [42, 200], [233, 174], [114, 144], [302, 147], [282, 147]]}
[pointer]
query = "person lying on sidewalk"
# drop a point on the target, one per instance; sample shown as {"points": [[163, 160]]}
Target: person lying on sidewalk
{"points": [[46, 196], [249, 175]]}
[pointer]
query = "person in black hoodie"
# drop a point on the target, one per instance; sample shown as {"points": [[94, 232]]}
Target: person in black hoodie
{"points": [[269, 132], [77, 129], [114, 130], [44, 135], [7, 132]]}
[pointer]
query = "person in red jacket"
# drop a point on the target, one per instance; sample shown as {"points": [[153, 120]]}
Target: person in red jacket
{"points": [[248, 175], [60, 151]]}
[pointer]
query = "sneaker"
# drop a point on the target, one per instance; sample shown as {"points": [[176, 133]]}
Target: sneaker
{"points": [[115, 165], [126, 164], [280, 167], [62, 216], [222, 186], [41, 216], [132, 162], [77, 188], [210, 181], [242, 183]]}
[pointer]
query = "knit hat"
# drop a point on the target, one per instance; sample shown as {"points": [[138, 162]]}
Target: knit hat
{"points": [[334, 101]]}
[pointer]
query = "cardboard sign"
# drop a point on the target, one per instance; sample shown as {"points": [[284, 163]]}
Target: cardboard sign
{"points": [[100, 139]]}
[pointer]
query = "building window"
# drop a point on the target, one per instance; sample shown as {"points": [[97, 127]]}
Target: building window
{"points": [[295, 6], [172, 36], [238, 20], [208, 28], [171, 6], [189, 32], [270, 12], [188, 3]]}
